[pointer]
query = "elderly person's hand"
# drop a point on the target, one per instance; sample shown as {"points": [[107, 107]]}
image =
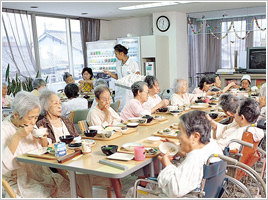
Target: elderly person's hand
{"points": [[24, 130], [212, 122], [164, 103], [165, 159]]}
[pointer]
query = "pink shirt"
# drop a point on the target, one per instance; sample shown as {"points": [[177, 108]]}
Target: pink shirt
{"points": [[134, 108]]}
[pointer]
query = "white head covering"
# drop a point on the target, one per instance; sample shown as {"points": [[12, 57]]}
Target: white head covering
{"points": [[247, 77], [125, 45]]}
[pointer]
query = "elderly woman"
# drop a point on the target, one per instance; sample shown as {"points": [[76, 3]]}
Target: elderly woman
{"points": [[229, 104], [216, 87], [154, 100], [196, 146], [38, 85], [262, 99], [27, 180], [102, 114], [52, 120], [180, 96], [71, 90], [96, 84], [6, 99], [135, 107], [68, 78], [246, 114], [204, 86]]}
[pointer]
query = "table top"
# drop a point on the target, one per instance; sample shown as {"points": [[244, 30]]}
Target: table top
{"points": [[90, 163]]}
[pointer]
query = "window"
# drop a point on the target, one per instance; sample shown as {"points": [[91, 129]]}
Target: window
{"points": [[260, 36]]}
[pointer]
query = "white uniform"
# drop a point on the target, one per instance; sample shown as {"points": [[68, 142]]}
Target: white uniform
{"points": [[124, 95]]}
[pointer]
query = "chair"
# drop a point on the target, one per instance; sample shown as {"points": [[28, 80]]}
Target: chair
{"points": [[213, 183], [167, 93], [83, 126], [8, 189], [78, 115], [115, 105]]}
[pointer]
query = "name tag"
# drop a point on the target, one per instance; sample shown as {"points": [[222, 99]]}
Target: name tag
{"points": [[142, 192]]}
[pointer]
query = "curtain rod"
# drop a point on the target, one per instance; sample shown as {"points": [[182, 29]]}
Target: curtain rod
{"points": [[226, 17]]}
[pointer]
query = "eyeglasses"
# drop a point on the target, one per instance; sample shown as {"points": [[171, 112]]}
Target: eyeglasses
{"points": [[106, 100], [146, 92]]}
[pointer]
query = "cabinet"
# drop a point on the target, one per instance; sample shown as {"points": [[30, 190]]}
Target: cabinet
{"points": [[155, 48]]}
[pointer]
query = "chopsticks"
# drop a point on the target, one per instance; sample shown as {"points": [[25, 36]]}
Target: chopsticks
{"points": [[26, 125], [69, 157]]}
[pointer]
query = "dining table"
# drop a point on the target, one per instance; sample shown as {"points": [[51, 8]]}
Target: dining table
{"points": [[90, 163]]}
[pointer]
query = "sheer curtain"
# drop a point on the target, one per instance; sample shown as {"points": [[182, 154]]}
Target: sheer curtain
{"points": [[90, 31], [17, 43]]}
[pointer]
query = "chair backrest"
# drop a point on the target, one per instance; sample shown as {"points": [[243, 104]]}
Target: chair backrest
{"points": [[214, 175], [115, 105], [83, 126], [8, 189], [78, 115], [167, 93]]}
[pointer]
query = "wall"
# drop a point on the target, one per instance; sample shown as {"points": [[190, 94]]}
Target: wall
{"points": [[111, 30]]}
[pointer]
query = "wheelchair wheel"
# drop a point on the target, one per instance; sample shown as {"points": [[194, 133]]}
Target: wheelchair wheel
{"points": [[236, 189]]}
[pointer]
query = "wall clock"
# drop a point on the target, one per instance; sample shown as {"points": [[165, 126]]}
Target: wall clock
{"points": [[162, 23]]}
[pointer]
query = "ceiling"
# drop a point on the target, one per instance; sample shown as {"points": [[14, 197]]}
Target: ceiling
{"points": [[109, 11]]}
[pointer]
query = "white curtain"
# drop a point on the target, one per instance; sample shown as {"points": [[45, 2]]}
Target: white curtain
{"points": [[17, 44]]}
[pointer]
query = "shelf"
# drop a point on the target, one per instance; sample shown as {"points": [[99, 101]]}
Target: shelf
{"points": [[123, 86]]}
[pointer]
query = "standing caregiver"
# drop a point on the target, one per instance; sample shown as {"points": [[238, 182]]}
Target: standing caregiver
{"points": [[126, 67]]}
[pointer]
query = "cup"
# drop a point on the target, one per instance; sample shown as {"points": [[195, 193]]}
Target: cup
{"points": [[206, 100], [86, 147], [139, 153]]}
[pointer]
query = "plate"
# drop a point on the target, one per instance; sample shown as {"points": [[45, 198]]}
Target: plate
{"points": [[147, 151], [121, 156], [154, 139], [135, 119], [165, 133], [38, 152], [132, 125], [130, 146], [159, 117]]}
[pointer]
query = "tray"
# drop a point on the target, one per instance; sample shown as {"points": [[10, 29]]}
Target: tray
{"points": [[48, 155], [146, 143], [166, 136], [122, 150], [161, 120], [130, 130], [114, 136], [153, 122], [200, 107]]}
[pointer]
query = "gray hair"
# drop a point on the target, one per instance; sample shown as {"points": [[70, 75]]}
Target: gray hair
{"points": [[38, 82], [177, 84], [196, 121], [263, 90], [4, 84], [24, 102], [100, 81], [66, 75], [150, 80], [137, 86], [229, 102], [44, 100], [251, 110], [100, 89]]}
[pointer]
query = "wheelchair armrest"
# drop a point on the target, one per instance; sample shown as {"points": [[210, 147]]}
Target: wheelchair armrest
{"points": [[247, 144]]}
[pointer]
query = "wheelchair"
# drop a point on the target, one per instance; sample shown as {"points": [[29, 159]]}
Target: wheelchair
{"points": [[215, 183], [252, 156]]}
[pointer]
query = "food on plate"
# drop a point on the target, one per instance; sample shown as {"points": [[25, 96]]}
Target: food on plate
{"points": [[150, 151]]}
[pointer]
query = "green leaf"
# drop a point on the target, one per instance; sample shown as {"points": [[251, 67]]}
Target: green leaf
{"points": [[46, 79], [37, 75], [7, 72]]}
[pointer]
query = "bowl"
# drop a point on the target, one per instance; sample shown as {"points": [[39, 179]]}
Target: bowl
{"points": [[67, 138], [142, 121], [198, 101], [153, 139], [109, 149], [75, 146], [172, 108], [98, 128], [90, 133], [162, 109], [132, 125], [131, 146], [39, 132], [213, 115], [168, 146], [148, 117], [175, 112], [106, 133], [134, 119], [212, 104]]}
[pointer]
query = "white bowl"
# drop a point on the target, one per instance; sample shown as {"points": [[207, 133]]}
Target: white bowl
{"points": [[98, 128], [39, 132], [105, 133], [131, 146], [153, 139], [168, 146], [172, 108], [132, 124], [135, 119]]}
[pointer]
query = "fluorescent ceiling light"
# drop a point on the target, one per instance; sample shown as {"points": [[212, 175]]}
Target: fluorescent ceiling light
{"points": [[150, 5]]}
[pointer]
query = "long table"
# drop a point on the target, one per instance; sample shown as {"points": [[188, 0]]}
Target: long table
{"points": [[89, 164]]}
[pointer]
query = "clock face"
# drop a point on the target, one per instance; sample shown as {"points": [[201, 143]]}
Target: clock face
{"points": [[162, 23]]}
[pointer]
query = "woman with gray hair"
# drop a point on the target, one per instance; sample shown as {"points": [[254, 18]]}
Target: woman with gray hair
{"points": [[102, 114], [52, 120], [27, 180], [96, 84], [68, 78], [6, 99], [154, 100], [135, 107], [180, 96], [229, 104], [38, 85]]}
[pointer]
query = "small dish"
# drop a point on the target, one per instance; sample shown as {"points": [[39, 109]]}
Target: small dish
{"points": [[159, 117], [121, 156], [151, 151], [172, 108], [165, 131], [132, 125], [135, 119], [105, 134], [153, 139], [175, 125], [131, 146]]}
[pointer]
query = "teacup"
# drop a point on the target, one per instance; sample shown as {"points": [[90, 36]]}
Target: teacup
{"points": [[39, 132]]}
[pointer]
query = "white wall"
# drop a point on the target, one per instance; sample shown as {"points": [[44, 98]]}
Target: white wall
{"points": [[110, 30]]}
